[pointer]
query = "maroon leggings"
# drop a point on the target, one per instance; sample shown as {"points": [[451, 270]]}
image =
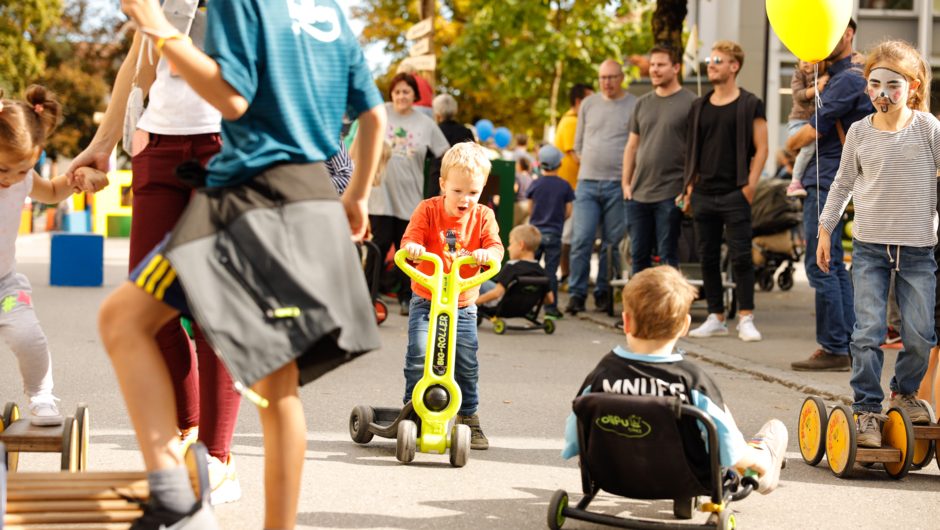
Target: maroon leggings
{"points": [[204, 391]]}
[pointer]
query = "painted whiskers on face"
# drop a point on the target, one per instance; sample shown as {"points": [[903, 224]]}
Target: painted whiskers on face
{"points": [[887, 89]]}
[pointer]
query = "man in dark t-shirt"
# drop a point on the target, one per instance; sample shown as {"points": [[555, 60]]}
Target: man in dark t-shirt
{"points": [[722, 165]]}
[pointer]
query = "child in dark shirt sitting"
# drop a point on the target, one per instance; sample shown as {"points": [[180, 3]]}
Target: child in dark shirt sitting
{"points": [[656, 314], [524, 240]]}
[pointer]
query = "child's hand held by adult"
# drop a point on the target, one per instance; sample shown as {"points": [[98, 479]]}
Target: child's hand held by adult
{"points": [[92, 180], [822, 250]]}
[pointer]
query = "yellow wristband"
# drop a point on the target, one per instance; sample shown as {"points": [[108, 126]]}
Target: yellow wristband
{"points": [[162, 40]]}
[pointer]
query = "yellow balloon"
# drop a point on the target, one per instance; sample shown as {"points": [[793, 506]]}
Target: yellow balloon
{"points": [[811, 29]]}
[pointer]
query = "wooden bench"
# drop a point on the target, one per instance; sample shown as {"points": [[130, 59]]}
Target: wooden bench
{"points": [[70, 438], [85, 501]]}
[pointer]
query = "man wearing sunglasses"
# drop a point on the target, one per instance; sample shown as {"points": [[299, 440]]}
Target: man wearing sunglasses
{"points": [[726, 147], [599, 141]]}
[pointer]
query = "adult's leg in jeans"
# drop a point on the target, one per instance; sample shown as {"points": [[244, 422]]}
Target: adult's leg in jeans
{"points": [[587, 213], [894, 311], [551, 245], [466, 367], [737, 215], [872, 272], [159, 200], [640, 223], [835, 315], [614, 226], [915, 287], [668, 225], [285, 442], [404, 293], [709, 226]]}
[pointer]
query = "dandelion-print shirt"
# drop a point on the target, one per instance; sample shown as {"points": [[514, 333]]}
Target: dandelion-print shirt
{"points": [[411, 138]]}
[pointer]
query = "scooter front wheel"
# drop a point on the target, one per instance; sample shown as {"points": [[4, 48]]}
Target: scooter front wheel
{"points": [[407, 441], [460, 445]]}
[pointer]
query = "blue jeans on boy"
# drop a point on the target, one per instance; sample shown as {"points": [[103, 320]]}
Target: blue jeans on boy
{"points": [[551, 249], [596, 201], [648, 220], [805, 154], [835, 310], [466, 368], [915, 286]]}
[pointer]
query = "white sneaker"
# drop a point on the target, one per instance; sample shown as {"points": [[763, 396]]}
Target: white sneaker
{"points": [[773, 438], [224, 481], [711, 328], [188, 437], [43, 411], [746, 330]]}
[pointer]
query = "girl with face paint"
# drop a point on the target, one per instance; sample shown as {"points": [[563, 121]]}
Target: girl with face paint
{"points": [[889, 166]]}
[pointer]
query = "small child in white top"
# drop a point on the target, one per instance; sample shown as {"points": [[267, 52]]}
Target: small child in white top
{"points": [[24, 128], [889, 165]]}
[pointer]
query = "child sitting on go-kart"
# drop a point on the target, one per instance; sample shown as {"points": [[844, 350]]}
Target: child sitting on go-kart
{"points": [[524, 240], [451, 226], [656, 313]]}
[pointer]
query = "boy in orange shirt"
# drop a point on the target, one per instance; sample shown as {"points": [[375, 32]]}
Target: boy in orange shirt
{"points": [[451, 226]]}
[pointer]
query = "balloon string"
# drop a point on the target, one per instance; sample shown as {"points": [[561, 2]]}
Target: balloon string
{"points": [[818, 101]]}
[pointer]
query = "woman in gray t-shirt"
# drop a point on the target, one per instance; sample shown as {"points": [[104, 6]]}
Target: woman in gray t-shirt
{"points": [[412, 136]]}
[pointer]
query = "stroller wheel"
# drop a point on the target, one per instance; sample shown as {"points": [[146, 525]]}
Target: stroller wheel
{"points": [[785, 280], [766, 281], [558, 503]]}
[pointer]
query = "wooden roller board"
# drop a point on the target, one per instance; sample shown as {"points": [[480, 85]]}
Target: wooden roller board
{"points": [[85, 501], [70, 438]]}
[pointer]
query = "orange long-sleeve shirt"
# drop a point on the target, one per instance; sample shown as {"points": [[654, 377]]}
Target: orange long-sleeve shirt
{"points": [[431, 227]]}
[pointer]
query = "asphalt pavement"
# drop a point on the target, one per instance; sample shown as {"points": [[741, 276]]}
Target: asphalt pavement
{"points": [[527, 382]]}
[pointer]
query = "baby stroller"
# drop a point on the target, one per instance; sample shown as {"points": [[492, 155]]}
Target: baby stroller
{"points": [[633, 446], [773, 218], [523, 299]]}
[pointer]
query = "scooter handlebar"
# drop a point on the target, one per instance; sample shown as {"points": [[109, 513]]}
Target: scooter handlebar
{"points": [[401, 258]]}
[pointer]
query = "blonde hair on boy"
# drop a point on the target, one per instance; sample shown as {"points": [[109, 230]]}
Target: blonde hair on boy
{"points": [[467, 157], [658, 301], [530, 236]]}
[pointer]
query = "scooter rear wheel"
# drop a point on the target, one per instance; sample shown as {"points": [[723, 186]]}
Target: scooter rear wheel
{"points": [[459, 445], [359, 422], [407, 441]]}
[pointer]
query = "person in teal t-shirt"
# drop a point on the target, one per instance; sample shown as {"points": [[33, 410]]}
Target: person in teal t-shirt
{"points": [[282, 73]]}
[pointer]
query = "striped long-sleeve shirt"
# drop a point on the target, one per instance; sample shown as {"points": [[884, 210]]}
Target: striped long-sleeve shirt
{"points": [[893, 178], [340, 167]]}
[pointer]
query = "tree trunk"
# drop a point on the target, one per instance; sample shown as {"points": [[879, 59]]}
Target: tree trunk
{"points": [[667, 22], [556, 82]]}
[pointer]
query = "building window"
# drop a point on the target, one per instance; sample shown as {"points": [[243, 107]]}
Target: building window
{"points": [[898, 5]]}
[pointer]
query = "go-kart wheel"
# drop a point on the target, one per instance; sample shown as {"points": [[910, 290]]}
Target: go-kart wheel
{"points": [[812, 429], [558, 503], [499, 326], [924, 449], [785, 280], [898, 432], [727, 520], [81, 416], [684, 508], [407, 441], [549, 326], [460, 445], [359, 422], [381, 311], [841, 441], [70, 453], [11, 413], [766, 281]]}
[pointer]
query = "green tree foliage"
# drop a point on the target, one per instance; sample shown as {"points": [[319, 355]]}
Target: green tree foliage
{"points": [[501, 59], [20, 22]]}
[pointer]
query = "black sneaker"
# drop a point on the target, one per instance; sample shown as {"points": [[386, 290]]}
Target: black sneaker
{"points": [[156, 517], [477, 438], [601, 300], [554, 314], [405, 308], [575, 305]]}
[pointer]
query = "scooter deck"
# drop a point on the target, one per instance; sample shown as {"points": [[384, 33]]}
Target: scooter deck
{"points": [[387, 420]]}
